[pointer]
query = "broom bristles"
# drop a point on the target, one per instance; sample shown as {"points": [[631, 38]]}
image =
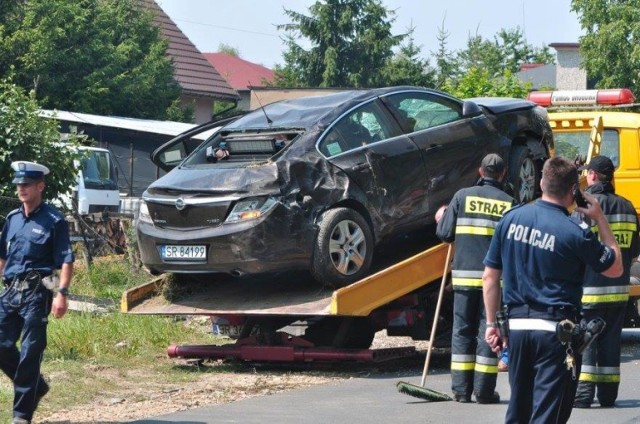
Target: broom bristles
{"points": [[422, 392]]}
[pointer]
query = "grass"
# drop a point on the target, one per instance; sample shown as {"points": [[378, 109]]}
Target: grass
{"points": [[89, 355]]}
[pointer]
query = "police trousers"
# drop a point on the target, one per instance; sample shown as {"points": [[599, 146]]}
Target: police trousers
{"points": [[601, 360], [474, 367], [24, 311], [542, 388]]}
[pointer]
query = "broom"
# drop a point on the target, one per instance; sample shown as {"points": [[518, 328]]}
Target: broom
{"points": [[421, 391]]}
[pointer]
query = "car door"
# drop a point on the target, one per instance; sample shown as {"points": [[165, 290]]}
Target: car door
{"points": [[451, 144], [384, 163]]}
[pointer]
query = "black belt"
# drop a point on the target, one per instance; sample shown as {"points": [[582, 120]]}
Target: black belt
{"points": [[30, 277], [543, 312]]}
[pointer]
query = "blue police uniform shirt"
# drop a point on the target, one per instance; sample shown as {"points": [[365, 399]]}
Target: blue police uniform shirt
{"points": [[39, 242], [542, 253]]}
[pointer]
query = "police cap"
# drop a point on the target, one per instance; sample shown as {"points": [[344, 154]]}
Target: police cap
{"points": [[28, 172]]}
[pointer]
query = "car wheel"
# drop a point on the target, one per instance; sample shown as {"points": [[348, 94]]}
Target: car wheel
{"points": [[523, 174], [343, 248]]}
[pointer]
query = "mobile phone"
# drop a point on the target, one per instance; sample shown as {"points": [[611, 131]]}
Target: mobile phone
{"points": [[580, 200]]}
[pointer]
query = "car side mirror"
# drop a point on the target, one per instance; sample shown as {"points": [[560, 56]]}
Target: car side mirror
{"points": [[470, 109]]}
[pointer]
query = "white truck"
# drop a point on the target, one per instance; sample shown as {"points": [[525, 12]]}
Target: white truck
{"points": [[96, 189]]}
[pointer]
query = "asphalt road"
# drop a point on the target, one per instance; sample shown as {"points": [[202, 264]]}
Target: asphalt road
{"points": [[375, 399]]}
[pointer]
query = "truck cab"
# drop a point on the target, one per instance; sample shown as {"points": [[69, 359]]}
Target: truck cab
{"points": [[97, 182], [597, 122]]}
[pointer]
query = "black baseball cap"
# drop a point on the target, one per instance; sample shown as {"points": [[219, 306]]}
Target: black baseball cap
{"points": [[601, 164], [493, 163]]}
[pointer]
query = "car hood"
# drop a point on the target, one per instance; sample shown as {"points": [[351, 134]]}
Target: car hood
{"points": [[244, 178]]}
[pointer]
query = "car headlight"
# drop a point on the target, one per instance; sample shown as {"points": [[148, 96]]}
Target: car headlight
{"points": [[252, 208], [143, 213]]}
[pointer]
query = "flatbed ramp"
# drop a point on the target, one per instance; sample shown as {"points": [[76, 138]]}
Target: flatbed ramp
{"points": [[291, 294]]}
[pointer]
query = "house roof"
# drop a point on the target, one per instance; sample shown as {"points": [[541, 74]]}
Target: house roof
{"points": [[239, 73], [569, 46], [193, 72]]}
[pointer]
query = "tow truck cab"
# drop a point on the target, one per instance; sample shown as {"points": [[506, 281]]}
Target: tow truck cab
{"points": [[587, 123]]}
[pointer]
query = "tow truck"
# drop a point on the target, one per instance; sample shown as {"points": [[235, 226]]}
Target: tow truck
{"points": [[587, 123], [400, 297], [265, 314]]}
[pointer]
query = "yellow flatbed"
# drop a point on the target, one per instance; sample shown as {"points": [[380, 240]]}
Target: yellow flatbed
{"points": [[291, 294]]}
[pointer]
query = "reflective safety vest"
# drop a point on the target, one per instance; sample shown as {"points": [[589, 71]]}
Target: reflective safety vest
{"points": [[470, 220], [600, 291]]}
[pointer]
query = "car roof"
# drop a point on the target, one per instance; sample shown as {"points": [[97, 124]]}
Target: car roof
{"points": [[305, 112]]}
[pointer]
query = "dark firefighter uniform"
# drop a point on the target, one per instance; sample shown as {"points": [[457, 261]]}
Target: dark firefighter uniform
{"points": [[607, 298], [542, 253], [470, 220]]}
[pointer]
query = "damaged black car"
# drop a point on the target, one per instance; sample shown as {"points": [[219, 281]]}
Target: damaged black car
{"points": [[318, 182]]}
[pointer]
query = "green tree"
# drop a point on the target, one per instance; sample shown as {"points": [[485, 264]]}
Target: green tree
{"points": [[228, 49], [24, 135], [93, 56], [507, 52], [407, 68], [477, 82], [350, 42], [445, 61], [610, 48]]}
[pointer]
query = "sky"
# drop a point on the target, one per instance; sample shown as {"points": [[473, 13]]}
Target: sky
{"points": [[249, 26]]}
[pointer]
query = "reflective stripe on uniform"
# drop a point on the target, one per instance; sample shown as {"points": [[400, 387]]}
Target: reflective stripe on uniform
{"points": [[462, 278], [593, 374], [532, 324], [610, 294], [476, 226], [623, 226], [463, 362], [486, 365]]}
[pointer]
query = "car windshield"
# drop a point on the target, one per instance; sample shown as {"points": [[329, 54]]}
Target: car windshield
{"points": [[576, 143], [98, 171]]}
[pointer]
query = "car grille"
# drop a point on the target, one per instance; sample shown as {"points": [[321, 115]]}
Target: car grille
{"points": [[192, 216]]}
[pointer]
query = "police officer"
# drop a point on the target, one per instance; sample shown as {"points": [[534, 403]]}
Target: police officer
{"points": [[607, 297], [540, 251], [34, 244], [470, 220]]}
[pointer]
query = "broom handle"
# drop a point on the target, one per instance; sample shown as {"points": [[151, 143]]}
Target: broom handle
{"points": [[436, 315]]}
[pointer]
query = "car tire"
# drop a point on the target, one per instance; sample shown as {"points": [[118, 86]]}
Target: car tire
{"points": [[343, 248], [524, 174]]}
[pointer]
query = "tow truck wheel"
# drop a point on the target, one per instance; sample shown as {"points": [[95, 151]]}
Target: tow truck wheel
{"points": [[523, 174], [343, 248]]}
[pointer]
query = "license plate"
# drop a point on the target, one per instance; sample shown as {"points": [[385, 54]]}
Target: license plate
{"points": [[228, 330], [188, 252]]}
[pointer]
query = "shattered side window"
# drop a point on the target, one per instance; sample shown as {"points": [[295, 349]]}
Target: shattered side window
{"points": [[419, 111], [360, 127]]}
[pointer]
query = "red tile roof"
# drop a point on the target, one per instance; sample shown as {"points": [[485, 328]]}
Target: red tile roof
{"points": [[527, 66], [239, 73], [193, 72]]}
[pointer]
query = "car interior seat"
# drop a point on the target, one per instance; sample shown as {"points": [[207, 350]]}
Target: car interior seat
{"points": [[355, 135]]}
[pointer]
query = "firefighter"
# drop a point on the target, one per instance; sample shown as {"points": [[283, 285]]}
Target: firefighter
{"points": [[469, 220], [540, 252], [607, 297]]}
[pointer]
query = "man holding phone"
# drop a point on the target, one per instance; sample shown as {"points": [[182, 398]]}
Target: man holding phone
{"points": [[604, 297], [541, 252]]}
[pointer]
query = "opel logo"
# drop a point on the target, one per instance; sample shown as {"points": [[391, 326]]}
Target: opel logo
{"points": [[180, 205]]}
